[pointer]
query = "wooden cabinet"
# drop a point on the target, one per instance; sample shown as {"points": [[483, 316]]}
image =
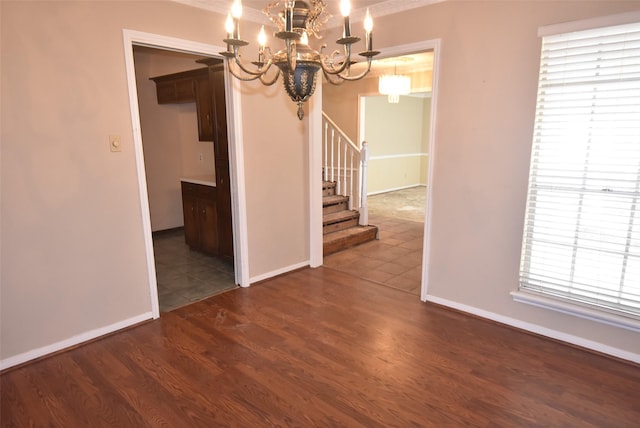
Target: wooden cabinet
{"points": [[199, 208], [221, 151], [188, 87], [208, 91], [204, 107]]}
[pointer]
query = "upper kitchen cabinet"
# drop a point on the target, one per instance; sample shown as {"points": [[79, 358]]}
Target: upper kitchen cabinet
{"points": [[187, 87]]}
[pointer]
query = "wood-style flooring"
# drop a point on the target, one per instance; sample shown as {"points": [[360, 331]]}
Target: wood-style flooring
{"points": [[319, 347]]}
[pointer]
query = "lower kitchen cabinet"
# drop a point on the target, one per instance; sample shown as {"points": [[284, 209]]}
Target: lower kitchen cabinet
{"points": [[199, 208]]}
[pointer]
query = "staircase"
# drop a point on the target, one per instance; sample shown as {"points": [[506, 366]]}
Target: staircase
{"points": [[340, 226]]}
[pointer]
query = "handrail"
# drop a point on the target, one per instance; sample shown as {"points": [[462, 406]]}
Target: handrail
{"points": [[345, 164]]}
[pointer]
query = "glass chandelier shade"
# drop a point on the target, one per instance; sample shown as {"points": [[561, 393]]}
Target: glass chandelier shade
{"points": [[297, 61], [394, 85]]}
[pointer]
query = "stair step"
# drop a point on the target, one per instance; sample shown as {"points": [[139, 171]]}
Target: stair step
{"points": [[347, 238], [334, 203], [340, 220]]}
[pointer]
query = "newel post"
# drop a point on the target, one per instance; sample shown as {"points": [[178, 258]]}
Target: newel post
{"points": [[364, 208]]}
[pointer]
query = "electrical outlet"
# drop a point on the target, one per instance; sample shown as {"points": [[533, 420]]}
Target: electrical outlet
{"points": [[114, 143]]}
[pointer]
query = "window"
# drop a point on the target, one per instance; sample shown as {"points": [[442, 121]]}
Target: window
{"points": [[582, 228]]}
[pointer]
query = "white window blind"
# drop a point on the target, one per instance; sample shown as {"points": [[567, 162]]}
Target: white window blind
{"points": [[582, 227]]}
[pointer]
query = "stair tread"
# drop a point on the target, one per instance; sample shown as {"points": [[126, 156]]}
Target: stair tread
{"points": [[333, 199], [342, 239], [340, 234], [339, 216]]}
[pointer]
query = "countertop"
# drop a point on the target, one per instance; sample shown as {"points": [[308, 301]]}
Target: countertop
{"points": [[206, 180]]}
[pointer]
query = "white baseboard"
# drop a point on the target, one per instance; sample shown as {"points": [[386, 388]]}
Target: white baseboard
{"points": [[410, 186], [72, 341], [543, 331], [277, 272]]}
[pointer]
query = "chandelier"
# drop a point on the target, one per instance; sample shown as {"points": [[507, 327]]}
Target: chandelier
{"points": [[394, 85], [297, 61]]}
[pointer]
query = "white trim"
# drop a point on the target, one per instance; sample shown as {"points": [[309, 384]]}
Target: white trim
{"points": [[128, 38], [254, 15], [314, 137], [394, 51], [237, 177], [72, 341], [586, 24], [223, 7], [410, 186], [576, 310], [383, 8], [236, 168], [280, 271], [534, 328], [405, 155], [411, 48]]}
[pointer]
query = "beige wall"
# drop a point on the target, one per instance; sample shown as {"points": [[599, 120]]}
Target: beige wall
{"points": [[486, 103], [395, 136], [169, 137], [71, 227], [73, 258]]}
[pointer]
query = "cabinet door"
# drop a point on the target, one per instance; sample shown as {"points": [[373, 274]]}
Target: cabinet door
{"points": [[191, 216], [166, 92], [216, 77], [225, 226], [208, 226], [185, 90], [204, 106]]}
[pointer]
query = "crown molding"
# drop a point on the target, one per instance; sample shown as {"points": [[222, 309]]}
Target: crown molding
{"points": [[383, 8], [223, 7], [388, 7]]}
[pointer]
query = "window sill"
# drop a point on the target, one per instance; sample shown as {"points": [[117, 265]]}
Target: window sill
{"points": [[576, 310]]}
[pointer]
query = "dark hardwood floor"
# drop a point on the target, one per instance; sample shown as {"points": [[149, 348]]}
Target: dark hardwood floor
{"points": [[321, 348]]}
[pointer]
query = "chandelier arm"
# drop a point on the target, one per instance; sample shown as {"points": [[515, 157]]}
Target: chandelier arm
{"points": [[240, 76], [269, 82], [359, 76], [258, 73], [333, 80], [346, 64]]}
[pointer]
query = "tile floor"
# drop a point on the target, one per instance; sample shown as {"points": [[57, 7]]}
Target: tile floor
{"points": [[185, 276], [395, 259]]}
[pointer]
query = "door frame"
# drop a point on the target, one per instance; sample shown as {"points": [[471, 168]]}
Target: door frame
{"points": [[236, 153], [412, 48]]}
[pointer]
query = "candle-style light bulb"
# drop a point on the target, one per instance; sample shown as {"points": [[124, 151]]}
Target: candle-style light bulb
{"points": [[228, 25], [262, 42], [368, 22], [262, 38], [236, 13], [345, 10], [304, 39], [236, 9], [345, 7], [368, 27]]}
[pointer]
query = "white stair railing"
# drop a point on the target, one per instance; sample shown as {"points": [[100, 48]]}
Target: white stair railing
{"points": [[345, 164]]}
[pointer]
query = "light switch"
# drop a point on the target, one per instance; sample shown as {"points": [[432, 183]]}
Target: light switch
{"points": [[114, 143]]}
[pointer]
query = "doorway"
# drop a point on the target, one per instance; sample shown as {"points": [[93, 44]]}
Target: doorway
{"points": [[177, 150], [236, 166], [400, 139]]}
